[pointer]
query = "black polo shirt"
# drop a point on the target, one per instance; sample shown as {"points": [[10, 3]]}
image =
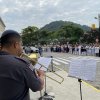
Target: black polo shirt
{"points": [[16, 78]]}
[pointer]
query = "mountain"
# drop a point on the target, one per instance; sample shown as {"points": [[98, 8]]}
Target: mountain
{"points": [[53, 26]]}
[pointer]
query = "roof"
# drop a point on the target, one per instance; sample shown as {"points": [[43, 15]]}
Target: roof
{"points": [[2, 22]]}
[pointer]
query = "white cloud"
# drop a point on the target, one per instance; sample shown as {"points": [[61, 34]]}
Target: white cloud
{"points": [[21, 13], [4, 10], [43, 3]]}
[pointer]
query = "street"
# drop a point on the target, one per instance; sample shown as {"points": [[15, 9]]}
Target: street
{"points": [[69, 89], [66, 57]]}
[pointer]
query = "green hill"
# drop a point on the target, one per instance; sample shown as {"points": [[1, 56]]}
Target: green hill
{"points": [[54, 26]]}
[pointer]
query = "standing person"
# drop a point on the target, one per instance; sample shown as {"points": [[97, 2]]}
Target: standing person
{"points": [[97, 50], [79, 49], [76, 49], [40, 50], [16, 74], [67, 48], [93, 50]]}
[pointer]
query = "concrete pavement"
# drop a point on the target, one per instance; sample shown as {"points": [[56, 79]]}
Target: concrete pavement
{"points": [[69, 89], [68, 56]]}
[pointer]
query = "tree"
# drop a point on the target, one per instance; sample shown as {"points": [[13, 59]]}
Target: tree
{"points": [[43, 37], [70, 33], [30, 35]]}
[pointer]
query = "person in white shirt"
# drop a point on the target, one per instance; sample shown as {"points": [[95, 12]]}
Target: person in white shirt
{"points": [[79, 49], [97, 51]]}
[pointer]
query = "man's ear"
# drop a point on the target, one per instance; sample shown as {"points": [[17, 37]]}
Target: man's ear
{"points": [[15, 45]]}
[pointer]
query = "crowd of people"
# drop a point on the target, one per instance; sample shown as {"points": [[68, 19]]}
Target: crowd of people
{"points": [[78, 49]]}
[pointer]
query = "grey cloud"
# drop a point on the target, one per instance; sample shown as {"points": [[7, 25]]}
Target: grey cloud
{"points": [[21, 13]]}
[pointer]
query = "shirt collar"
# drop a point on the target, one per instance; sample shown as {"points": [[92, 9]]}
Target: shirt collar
{"points": [[4, 53]]}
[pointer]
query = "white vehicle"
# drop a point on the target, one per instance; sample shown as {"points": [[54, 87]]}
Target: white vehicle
{"points": [[34, 49]]}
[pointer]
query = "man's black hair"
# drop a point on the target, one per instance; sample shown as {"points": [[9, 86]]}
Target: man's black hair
{"points": [[0, 40], [8, 37]]}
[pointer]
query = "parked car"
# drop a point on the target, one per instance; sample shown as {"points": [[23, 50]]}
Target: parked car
{"points": [[30, 49], [34, 49]]}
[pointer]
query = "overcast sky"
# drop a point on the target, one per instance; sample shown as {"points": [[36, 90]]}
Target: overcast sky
{"points": [[18, 14]]}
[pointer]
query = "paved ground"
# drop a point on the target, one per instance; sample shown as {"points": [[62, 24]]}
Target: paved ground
{"points": [[69, 89], [66, 56]]}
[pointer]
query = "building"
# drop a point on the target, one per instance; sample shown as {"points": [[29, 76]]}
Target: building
{"points": [[2, 26]]}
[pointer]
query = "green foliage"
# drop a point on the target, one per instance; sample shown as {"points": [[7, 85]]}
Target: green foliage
{"points": [[58, 32], [30, 35], [91, 36], [56, 25], [43, 37], [69, 33]]}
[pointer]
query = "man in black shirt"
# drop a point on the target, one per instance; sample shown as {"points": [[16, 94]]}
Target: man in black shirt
{"points": [[16, 76], [0, 43]]}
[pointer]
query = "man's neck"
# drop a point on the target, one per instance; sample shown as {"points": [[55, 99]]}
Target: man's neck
{"points": [[10, 51]]}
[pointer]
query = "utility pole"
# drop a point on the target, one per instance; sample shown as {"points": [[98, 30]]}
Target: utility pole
{"points": [[98, 18]]}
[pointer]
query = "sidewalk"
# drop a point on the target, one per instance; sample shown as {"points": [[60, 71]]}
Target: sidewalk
{"points": [[68, 90]]}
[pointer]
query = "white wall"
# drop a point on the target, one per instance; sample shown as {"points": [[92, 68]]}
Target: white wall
{"points": [[2, 28]]}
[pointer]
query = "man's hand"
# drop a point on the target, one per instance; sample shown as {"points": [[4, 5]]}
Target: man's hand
{"points": [[41, 75]]}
